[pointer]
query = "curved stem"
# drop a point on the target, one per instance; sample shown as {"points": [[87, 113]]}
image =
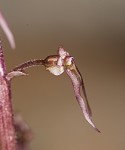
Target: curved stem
{"points": [[30, 63]]}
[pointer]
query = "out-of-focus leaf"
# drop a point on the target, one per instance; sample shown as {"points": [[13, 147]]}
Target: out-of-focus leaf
{"points": [[7, 31]]}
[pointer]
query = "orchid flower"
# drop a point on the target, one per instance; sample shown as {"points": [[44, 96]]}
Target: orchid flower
{"points": [[57, 64]]}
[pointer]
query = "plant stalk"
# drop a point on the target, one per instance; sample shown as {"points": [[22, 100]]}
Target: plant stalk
{"points": [[7, 131]]}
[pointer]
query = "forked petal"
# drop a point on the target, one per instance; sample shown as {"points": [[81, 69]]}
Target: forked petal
{"points": [[69, 61], [7, 31], [76, 85], [79, 76]]}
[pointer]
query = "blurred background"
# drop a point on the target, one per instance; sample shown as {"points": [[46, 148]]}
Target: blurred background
{"points": [[94, 33]]}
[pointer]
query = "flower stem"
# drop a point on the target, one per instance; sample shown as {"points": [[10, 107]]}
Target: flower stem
{"points": [[7, 131], [30, 63]]}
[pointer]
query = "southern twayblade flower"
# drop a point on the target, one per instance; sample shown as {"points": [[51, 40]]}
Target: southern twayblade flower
{"points": [[57, 64], [65, 61]]}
